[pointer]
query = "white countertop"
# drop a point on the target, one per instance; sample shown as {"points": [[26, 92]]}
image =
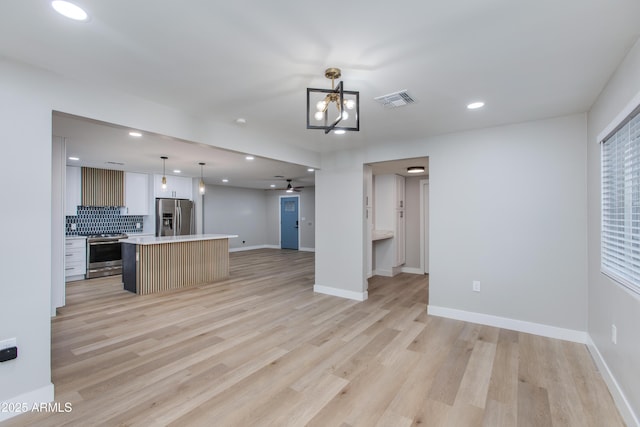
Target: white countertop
{"points": [[140, 234], [153, 240]]}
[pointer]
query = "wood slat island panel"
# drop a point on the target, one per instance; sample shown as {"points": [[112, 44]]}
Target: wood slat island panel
{"points": [[159, 265]]}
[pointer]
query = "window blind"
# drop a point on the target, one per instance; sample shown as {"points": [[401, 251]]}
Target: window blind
{"points": [[620, 253]]}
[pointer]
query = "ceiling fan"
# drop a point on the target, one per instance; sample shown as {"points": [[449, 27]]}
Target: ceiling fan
{"points": [[289, 188]]}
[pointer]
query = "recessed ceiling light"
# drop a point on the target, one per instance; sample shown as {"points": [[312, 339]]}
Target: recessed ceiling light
{"points": [[69, 10], [74, 158], [415, 169], [249, 157], [136, 134], [310, 170], [475, 105], [225, 180], [241, 121], [177, 171], [339, 132], [272, 186]]}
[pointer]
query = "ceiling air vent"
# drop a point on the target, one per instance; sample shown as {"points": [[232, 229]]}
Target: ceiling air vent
{"points": [[395, 99]]}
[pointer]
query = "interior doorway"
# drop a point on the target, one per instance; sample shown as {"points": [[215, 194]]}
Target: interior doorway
{"points": [[414, 173]]}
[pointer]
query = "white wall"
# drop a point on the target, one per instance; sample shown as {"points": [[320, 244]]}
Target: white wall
{"points": [[307, 204], [254, 215], [508, 209], [609, 303], [241, 211], [25, 260], [58, 199], [340, 224], [308, 212]]}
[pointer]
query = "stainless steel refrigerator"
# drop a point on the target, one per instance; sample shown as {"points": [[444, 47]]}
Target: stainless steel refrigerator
{"points": [[174, 217]]}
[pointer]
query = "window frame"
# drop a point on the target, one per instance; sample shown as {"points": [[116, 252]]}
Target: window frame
{"points": [[620, 249]]}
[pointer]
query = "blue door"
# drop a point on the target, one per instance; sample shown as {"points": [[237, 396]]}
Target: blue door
{"points": [[289, 223]]}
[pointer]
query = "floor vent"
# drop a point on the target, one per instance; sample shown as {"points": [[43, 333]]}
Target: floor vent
{"points": [[395, 99]]}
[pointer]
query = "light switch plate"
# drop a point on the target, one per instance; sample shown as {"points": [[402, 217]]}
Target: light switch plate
{"points": [[614, 334]]}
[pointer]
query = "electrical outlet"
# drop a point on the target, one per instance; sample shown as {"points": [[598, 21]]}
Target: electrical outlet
{"points": [[73, 226], [137, 225], [8, 343], [614, 334], [476, 286]]}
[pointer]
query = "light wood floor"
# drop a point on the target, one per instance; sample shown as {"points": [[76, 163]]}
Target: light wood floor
{"points": [[262, 349]]}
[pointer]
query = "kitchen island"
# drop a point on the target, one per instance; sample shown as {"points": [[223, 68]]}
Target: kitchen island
{"points": [[157, 264]]}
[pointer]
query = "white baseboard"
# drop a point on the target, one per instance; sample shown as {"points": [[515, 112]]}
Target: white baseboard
{"points": [[512, 324], [626, 410], [383, 273], [252, 248], [412, 270], [358, 296], [397, 270], [27, 400]]}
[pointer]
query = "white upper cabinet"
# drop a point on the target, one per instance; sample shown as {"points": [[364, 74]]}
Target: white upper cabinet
{"points": [[368, 186], [389, 216], [368, 213], [177, 187], [400, 238], [136, 193], [400, 202], [73, 190]]}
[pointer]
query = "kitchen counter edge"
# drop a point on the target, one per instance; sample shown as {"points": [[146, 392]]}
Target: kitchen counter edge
{"points": [[153, 240]]}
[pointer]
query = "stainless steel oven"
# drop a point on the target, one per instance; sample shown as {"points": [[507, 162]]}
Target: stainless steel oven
{"points": [[104, 256]]}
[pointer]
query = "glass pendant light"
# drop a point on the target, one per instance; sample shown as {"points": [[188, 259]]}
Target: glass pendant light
{"points": [[201, 186], [164, 178]]}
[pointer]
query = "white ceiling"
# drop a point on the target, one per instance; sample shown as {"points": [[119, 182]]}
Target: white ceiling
{"points": [[528, 59], [107, 146]]}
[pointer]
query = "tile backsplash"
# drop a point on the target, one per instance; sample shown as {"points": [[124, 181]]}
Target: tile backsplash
{"points": [[92, 220]]}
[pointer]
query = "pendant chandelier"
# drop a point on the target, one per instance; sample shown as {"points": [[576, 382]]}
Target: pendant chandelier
{"points": [[334, 109]]}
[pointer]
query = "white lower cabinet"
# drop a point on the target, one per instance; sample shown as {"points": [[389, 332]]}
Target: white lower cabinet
{"points": [[75, 258]]}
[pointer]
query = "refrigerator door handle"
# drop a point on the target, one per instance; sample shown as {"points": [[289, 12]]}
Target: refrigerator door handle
{"points": [[178, 227]]}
